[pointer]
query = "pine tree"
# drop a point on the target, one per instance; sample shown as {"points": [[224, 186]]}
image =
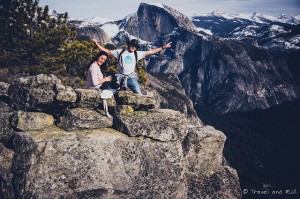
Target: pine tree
{"points": [[19, 22], [141, 73]]}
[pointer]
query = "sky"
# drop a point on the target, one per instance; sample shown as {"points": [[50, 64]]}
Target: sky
{"points": [[118, 9]]}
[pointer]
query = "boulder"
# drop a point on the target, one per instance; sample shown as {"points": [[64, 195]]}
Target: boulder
{"points": [[84, 118], [34, 92], [4, 88], [65, 94], [100, 163], [6, 130], [27, 121], [89, 98], [206, 175], [137, 101], [203, 150], [158, 124], [222, 184]]}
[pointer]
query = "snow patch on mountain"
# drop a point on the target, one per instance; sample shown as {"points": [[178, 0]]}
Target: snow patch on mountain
{"points": [[157, 5], [245, 32], [207, 31], [276, 30], [96, 21], [111, 29], [168, 9], [294, 42], [129, 16], [219, 13]]}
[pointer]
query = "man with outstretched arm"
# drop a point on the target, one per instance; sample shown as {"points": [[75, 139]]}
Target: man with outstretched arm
{"points": [[127, 60]]}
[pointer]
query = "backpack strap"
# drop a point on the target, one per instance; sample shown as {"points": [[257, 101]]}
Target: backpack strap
{"points": [[120, 61], [136, 59]]}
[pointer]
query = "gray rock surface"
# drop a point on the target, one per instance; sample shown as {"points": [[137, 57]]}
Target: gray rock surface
{"points": [[99, 163], [4, 88], [158, 124], [65, 94], [6, 176], [33, 92], [27, 121], [89, 98], [6, 130], [136, 101], [84, 118], [203, 149], [149, 153], [223, 184], [104, 163]]}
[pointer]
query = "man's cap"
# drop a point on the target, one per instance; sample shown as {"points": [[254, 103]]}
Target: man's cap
{"points": [[133, 42]]}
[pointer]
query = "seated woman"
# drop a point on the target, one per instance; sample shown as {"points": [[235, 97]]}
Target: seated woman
{"points": [[95, 78]]}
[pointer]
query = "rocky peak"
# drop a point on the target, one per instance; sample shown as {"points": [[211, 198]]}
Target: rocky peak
{"points": [[254, 15], [282, 16], [218, 13], [154, 21], [182, 20]]}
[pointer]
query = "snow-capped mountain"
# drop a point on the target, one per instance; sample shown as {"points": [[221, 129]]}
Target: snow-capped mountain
{"points": [[277, 33], [255, 17], [96, 21], [102, 29]]}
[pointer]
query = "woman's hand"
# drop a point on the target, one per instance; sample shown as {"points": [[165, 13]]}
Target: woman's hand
{"points": [[107, 79]]}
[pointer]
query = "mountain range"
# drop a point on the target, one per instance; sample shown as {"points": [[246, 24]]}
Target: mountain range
{"points": [[281, 32], [227, 70]]}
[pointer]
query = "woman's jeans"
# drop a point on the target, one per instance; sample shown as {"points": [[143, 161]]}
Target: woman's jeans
{"points": [[106, 86]]}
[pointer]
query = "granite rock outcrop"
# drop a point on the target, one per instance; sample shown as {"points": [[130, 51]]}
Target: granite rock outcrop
{"points": [[78, 152]]}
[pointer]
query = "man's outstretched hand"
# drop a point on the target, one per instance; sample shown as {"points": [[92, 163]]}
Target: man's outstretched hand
{"points": [[168, 45]]}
